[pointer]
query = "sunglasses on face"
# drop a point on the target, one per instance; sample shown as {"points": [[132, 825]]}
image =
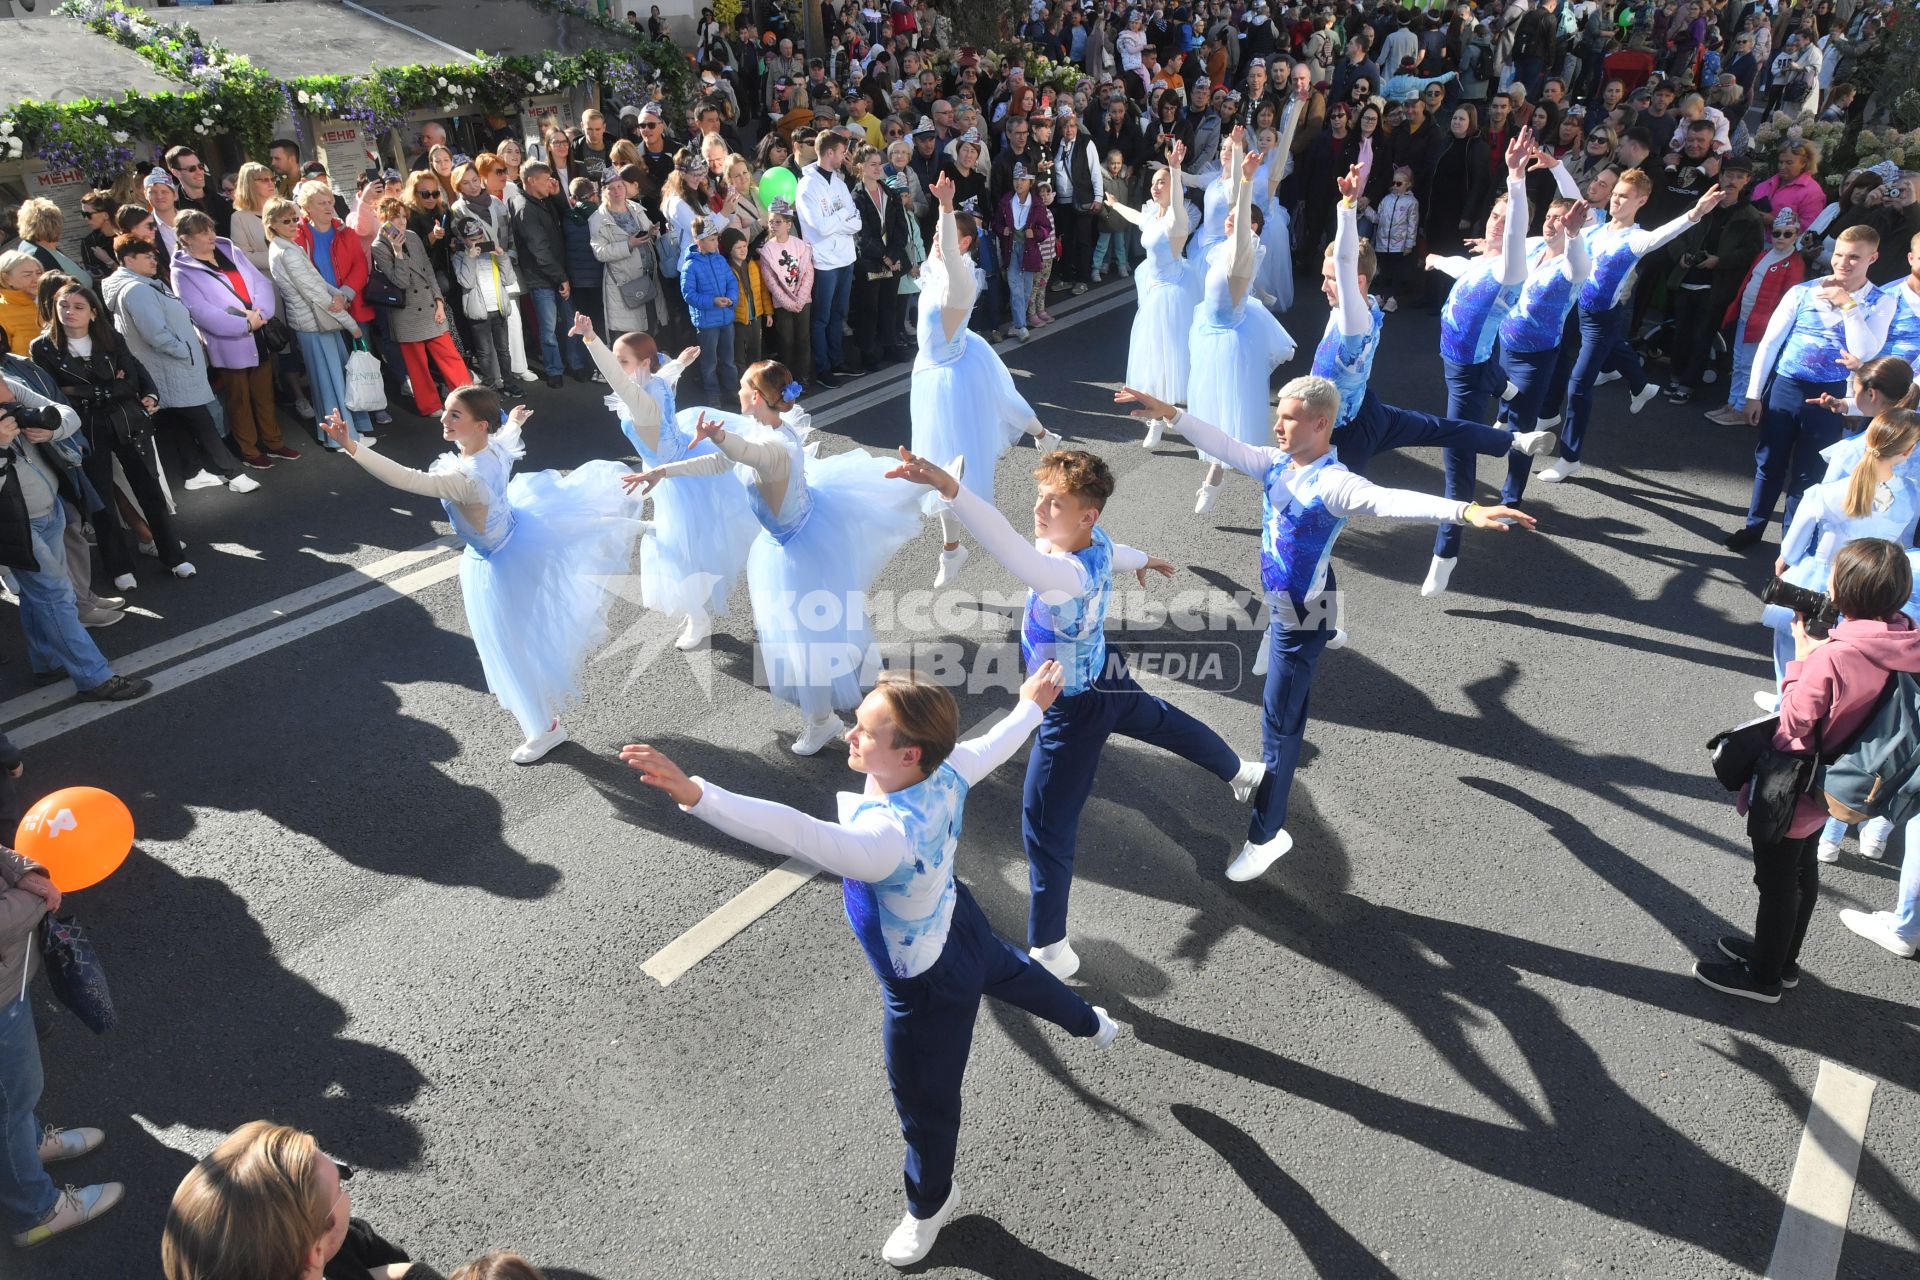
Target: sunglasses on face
{"points": [[196, 167], [427, 194]]}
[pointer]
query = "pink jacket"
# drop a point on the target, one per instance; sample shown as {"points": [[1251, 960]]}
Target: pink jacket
{"points": [[787, 271], [1836, 688], [1803, 195]]}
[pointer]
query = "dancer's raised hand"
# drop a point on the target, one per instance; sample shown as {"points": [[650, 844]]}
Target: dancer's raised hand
{"points": [[709, 429], [1150, 406], [518, 417], [1352, 183], [917, 470], [656, 770], [942, 191], [1154, 564], [688, 356], [582, 326]]}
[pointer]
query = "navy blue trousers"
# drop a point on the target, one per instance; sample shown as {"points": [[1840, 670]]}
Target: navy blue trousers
{"points": [[1792, 434], [1603, 346], [1060, 777], [1292, 655], [1377, 427], [927, 1030], [1537, 374], [1469, 387]]}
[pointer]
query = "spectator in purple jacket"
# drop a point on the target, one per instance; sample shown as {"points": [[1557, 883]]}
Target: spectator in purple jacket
{"points": [[230, 301]]}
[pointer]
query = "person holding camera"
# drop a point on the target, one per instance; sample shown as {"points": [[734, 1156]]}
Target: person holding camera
{"points": [[1828, 693]]}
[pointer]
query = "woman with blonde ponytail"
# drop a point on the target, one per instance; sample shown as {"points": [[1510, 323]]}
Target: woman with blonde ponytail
{"points": [[1876, 501]]}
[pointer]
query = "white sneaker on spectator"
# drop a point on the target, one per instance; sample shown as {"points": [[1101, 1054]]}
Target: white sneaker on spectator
{"points": [[1608, 375], [68, 1144], [1827, 851], [202, 480], [125, 582], [76, 1207], [1877, 926], [913, 1239], [242, 484], [110, 602], [528, 375], [1564, 469], [149, 549], [1057, 958], [541, 743], [184, 569], [1638, 401], [1253, 859], [303, 409]]}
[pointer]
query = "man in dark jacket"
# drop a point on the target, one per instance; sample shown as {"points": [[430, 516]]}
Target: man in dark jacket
{"points": [[1714, 258], [585, 275], [538, 218]]}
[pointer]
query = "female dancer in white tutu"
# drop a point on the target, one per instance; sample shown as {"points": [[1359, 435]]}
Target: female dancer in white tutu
{"points": [[1274, 278], [541, 549], [702, 528], [1168, 286], [964, 404], [1235, 347], [827, 527]]}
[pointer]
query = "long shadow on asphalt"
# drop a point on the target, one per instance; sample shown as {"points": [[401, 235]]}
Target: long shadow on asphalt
{"points": [[982, 1245]]}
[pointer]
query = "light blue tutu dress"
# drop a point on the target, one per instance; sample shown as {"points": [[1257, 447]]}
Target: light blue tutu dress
{"points": [[1215, 206], [702, 526], [1820, 528], [1275, 275], [544, 551], [1168, 289], [827, 527], [1235, 350], [963, 401]]}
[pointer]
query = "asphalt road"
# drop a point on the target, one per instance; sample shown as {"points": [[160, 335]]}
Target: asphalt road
{"points": [[1452, 1033]]}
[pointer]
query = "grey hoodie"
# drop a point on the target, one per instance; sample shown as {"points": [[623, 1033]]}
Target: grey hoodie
{"points": [[160, 334]]}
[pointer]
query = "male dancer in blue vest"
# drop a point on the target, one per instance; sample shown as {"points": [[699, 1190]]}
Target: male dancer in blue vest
{"points": [[1067, 570], [930, 945], [1308, 497]]}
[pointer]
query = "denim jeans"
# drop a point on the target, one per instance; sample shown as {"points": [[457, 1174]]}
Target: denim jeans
{"points": [[553, 316], [1019, 284], [55, 639], [831, 292], [27, 1194], [717, 374], [1906, 909]]}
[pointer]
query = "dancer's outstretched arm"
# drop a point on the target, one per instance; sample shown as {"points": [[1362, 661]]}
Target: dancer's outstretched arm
{"points": [[457, 486], [1356, 318], [1242, 261], [1216, 444]]}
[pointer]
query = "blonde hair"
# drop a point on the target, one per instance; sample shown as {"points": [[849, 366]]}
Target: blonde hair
{"points": [[1636, 179], [1889, 436], [273, 211], [250, 1211], [498, 1265], [40, 219], [309, 189], [250, 172], [1368, 263]]}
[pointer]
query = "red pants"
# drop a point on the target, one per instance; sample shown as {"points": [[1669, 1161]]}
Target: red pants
{"points": [[426, 397]]}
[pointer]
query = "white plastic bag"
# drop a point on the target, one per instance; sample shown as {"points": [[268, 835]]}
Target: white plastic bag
{"points": [[366, 390]]}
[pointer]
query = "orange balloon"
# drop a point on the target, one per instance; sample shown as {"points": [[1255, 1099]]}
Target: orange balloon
{"points": [[81, 835]]}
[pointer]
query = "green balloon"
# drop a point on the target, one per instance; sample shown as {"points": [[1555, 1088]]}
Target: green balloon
{"points": [[778, 184]]}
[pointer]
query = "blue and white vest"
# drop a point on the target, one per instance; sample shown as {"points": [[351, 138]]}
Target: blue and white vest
{"points": [[1817, 339], [1348, 362], [1614, 263], [902, 921], [1073, 632], [1297, 534], [1539, 315], [1475, 306]]}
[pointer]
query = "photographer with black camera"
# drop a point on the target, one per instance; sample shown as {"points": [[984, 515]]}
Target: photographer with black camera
{"points": [[33, 521], [1828, 693]]}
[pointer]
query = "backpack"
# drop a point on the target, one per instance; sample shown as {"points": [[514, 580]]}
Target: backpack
{"points": [[1877, 775], [1483, 62]]}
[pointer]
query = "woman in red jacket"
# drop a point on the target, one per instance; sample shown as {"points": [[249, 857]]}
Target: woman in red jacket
{"points": [[340, 257], [1827, 694], [1776, 270]]}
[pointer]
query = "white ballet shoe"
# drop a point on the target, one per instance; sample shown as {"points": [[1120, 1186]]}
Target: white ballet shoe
{"points": [[818, 734], [1608, 375], [1253, 859], [1767, 700], [1534, 444], [1205, 498], [913, 1239], [1261, 657], [1639, 401], [1109, 1029], [950, 562], [1339, 638], [1564, 469], [1510, 392], [1057, 959], [1156, 431], [1548, 424], [1247, 781], [1439, 573], [539, 744], [1048, 441], [694, 631]]}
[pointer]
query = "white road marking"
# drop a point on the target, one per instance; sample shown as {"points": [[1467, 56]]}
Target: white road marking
{"points": [[752, 902], [1820, 1196], [201, 637], [235, 549], [195, 1144]]}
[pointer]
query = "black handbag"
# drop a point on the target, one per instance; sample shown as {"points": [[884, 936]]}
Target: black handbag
{"points": [[75, 973], [1735, 751], [383, 292], [274, 336]]}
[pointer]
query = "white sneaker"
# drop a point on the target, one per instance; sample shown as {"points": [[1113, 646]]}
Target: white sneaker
{"points": [[1439, 573], [1204, 499], [125, 582], [1767, 700], [1548, 424], [202, 480], [538, 745], [242, 484], [913, 1239], [1638, 402], [1564, 469], [1156, 431], [528, 375], [1253, 859], [1109, 1029], [1048, 442], [1247, 781], [95, 619], [950, 562], [1339, 639], [184, 569], [1534, 444], [818, 734], [1873, 851], [76, 1207], [1875, 927], [1510, 392], [1827, 851], [1057, 959], [1606, 376], [1023, 333], [1262, 656], [694, 631]]}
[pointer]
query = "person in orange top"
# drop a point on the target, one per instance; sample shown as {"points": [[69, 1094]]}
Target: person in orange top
{"points": [[19, 317]]}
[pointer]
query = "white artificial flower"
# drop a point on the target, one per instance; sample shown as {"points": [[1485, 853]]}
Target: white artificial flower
{"points": [[101, 121], [6, 126], [120, 136], [441, 82], [547, 67], [304, 98]]}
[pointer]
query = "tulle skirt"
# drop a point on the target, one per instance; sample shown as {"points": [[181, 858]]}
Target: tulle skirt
{"points": [[1233, 364], [702, 530], [1157, 356], [1275, 273], [538, 604], [966, 407], [809, 606]]}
